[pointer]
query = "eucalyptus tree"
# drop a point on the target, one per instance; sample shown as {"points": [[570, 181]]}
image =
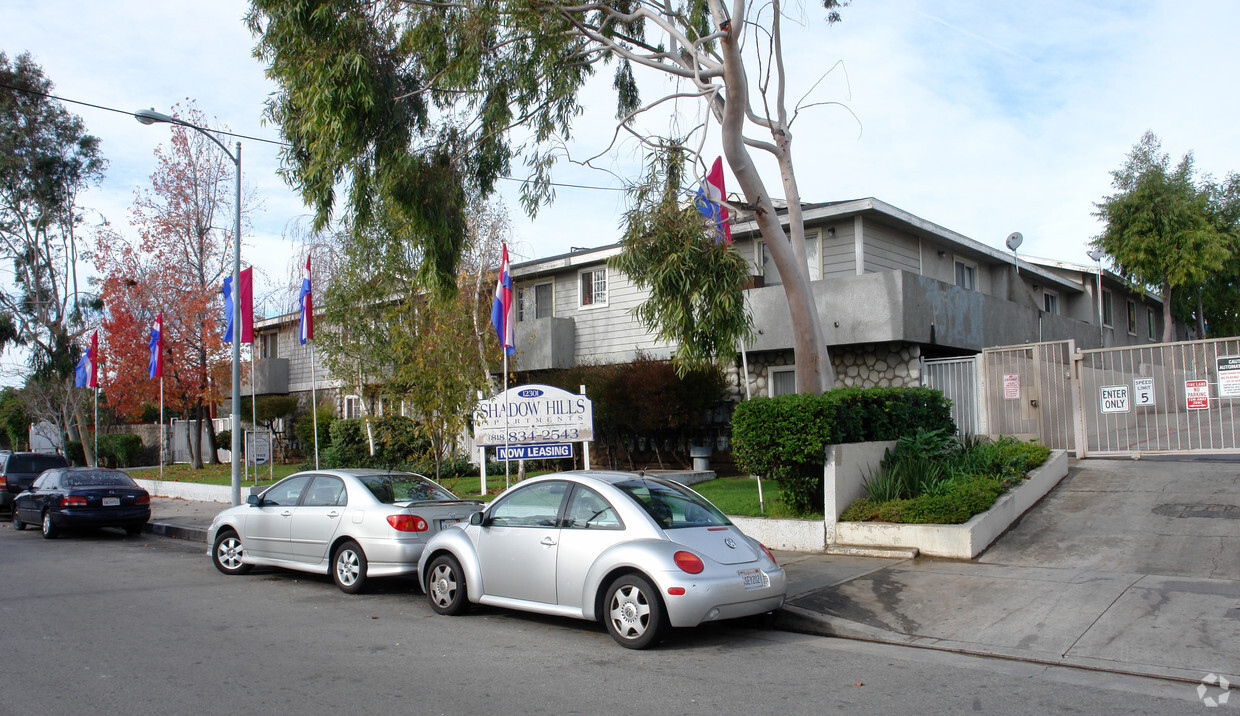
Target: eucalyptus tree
{"points": [[415, 105]]}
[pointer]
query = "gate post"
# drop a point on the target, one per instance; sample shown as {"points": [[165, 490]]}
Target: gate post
{"points": [[1078, 399]]}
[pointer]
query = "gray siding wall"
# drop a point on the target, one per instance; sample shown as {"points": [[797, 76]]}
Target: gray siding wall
{"points": [[606, 333], [839, 256], [889, 250]]}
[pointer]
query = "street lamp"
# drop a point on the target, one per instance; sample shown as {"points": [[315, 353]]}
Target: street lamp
{"points": [[1096, 255], [150, 116]]}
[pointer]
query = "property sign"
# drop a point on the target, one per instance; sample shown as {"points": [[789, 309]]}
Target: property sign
{"points": [[1197, 393], [532, 415], [1011, 386], [260, 448], [1114, 399], [533, 452], [1143, 388], [1228, 376]]}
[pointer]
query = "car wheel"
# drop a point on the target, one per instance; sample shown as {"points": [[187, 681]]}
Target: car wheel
{"points": [[17, 521], [227, 552], [349, 568], [445, 586], [633, 613], [49, 527], [133, 530]]}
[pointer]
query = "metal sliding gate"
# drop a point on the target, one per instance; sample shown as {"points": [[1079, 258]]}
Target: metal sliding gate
{"points": [[960, 380], [1029, 392], [1160, 399]]}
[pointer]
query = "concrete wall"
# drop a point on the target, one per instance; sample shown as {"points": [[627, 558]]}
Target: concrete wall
{"points": [[844, 473]]}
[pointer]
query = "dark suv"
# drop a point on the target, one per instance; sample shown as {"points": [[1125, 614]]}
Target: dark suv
{"points": [[19, 469]]}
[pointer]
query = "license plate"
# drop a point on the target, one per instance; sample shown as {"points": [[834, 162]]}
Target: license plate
{"points": [[111, 501], [444, 524], [754, 579]]}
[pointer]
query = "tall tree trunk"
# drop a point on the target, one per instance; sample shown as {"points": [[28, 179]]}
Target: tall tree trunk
{"points": [[1168, 334], [88, 447], [194, 427]]}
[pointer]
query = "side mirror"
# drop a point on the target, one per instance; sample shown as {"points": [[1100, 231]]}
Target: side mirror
{"points": [[252, 500], [475, 518]]}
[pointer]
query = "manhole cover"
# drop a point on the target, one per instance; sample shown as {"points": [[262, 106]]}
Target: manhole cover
{"points": [[1227, 512]]}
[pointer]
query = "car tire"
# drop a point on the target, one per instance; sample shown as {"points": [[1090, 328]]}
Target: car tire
{"points": [[445, 586], [227, 553], [134, 530], [349, 567], [50, 531], [633, 612], [17, 521]]}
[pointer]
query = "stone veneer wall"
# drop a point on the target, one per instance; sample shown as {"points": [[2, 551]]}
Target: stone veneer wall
{"points": [[865, 366]]}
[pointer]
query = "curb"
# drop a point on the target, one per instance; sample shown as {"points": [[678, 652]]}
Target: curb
{"points": [[164, 529]]}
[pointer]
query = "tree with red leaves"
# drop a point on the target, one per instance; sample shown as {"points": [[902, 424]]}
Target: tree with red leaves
{"points": [[176, 266]]}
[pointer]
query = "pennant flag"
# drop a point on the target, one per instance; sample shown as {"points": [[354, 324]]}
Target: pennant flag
{"points": [[307, 306], [245, 299], [156, 367], [87, 371], [228, 310], [709, 202], [502, 310]]}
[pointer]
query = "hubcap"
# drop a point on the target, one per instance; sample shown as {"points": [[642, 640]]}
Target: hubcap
{"points": [[230, 553], [347, 567], [630, 612], [443, 585]]}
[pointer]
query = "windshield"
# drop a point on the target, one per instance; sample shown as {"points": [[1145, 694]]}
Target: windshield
{"points": [[404, 487], [97, 479], [672, 505]]}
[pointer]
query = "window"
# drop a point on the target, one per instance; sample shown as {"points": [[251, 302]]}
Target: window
{"points": [[781, 380], [286, 492], [352, 406], [593, 287], [1151, 320], [535, 506], [325, 492], [534, 302], [588, 510], [1132, 318], [767, 265], [966, 275], [268, 345], [671, 505], [1108, 314], [1050, 301]]}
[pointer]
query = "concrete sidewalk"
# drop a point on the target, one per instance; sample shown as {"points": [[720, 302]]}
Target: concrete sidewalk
{"points": [[1118, 569]]}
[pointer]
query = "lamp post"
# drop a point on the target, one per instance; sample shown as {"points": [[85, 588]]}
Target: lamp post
{"points": [[150, 116], [1096, 255]]}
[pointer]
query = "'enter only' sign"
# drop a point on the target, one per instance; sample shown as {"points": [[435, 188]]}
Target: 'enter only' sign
{"points": [[1115, 399]]}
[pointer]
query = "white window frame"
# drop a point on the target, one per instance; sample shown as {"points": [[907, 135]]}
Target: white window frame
{"points": [[531, 290], [269, 345], [813, 257], [1050, 302], [1151, 321], [606, 288], [971, 266], [1132, 318], [352, 406], [770, 377]]}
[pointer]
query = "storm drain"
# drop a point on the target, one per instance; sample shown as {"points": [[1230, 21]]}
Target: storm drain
{"points": [[1227, 512]]}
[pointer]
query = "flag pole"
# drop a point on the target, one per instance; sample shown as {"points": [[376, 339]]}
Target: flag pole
{"points": [[314, 406], [161, 421], [96, 426], [254, 413], [505, 394]]}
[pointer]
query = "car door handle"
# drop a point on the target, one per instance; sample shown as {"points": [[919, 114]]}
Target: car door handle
{"points": [[286, 513], [333, 514], [547, 541]]}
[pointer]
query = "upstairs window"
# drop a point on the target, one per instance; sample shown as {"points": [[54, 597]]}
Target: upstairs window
{"points": [[966, 275], [1152, 323], [1050, 301], [1132, 318], [534, 302], [1108, 314], [592, 287]]}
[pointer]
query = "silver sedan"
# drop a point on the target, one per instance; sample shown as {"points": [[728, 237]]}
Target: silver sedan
{"points": [[353, 524], [638, 553]]}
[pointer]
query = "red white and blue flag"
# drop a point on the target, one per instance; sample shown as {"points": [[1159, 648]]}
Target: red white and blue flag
{"points": [[502, 309], [87, 372], [709, 202], [307, 306], [156, 367]]}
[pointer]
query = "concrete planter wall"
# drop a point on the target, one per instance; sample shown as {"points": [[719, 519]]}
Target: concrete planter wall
{"points": [[190, 490], [794, 535], [964, 541]]}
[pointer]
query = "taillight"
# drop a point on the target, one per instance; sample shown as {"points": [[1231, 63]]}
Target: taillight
{"points": [[768, 554], [407, 523], [142, 500], [689, 562], [73, 501]]}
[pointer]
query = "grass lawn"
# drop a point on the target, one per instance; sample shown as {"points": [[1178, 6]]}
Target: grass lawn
{"points": [[739, 496]]}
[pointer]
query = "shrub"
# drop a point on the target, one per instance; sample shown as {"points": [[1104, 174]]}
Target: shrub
{"points": [[74, 452], [120, 449], [303, 428], [396, 441]]}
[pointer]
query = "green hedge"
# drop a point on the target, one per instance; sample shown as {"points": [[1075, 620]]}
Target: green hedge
{"points": [[784, 438], [120, 450], [397, 443]]}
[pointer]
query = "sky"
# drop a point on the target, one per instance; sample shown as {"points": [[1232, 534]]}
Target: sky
{"points": [[983, 117]]}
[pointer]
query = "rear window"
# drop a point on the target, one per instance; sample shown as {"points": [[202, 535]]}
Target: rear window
{"points": [[34, 463], [672, 505], [97, 479], [404, 487]]}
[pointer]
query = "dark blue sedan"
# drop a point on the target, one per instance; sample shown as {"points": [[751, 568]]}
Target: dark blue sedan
{"points": [[82, 497]]}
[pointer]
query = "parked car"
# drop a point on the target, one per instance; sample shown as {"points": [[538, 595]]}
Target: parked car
{"points": [[353, 524], [637, 552], [82, 497], [19, 469]]}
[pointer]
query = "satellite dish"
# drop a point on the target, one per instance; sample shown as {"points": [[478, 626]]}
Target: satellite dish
{"points": [[1014, 239], [1095, 254]]}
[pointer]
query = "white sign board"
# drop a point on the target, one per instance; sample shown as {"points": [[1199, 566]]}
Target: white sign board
{"points": [[260, 448], [1114, 399], [532, 414], [1011, 386], [1143, 388], [533, 452], [1228, 376], [1197, 394]]}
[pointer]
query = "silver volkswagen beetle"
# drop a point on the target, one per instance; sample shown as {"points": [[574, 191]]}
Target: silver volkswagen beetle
{"points": [[353, 524], [637, 552]]}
